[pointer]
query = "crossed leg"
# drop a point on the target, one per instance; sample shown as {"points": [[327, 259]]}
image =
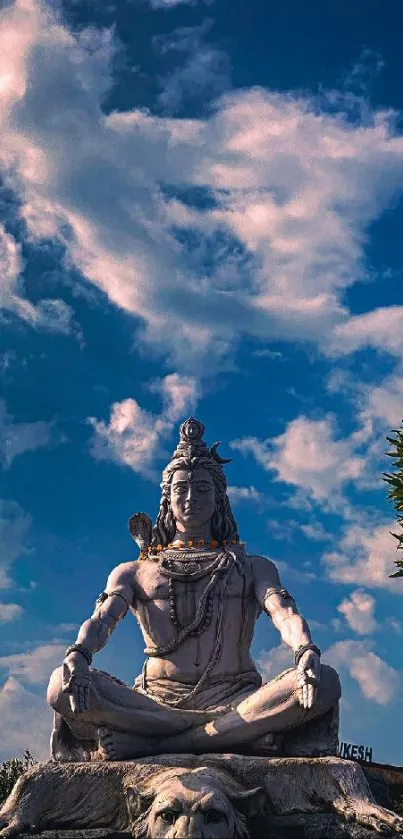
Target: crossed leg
{"points": [[117, 710], [119, 716], [272, 708]]}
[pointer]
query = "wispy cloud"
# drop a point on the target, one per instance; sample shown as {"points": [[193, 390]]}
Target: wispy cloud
{"points": [[382, 404], [34, 666], [315, 532], [15, 525], [381, 328], [26, 717], [203, 70], [53, 314], [358, 610], [19, 437], [26, 722], [307, 455], [170, 4], [133, 436], [239, 494], [377, 680], [292, 189], [272, 662], [10, 612], [365, 557], [274, 355]]}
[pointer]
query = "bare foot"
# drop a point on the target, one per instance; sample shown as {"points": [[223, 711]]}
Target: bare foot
{"points": [[120, 745]]}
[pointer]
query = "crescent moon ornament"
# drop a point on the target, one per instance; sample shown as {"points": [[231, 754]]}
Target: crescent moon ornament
{"points": [[213, 452]]}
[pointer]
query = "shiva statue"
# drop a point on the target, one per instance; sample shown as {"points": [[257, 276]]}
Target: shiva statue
{"points": [[196, 594]]}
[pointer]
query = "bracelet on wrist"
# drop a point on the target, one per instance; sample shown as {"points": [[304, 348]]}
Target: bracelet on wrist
{"points": [[79, 648], [303, 649]]}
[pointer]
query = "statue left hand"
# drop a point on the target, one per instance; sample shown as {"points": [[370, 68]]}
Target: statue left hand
{"points": [[308, 678]]}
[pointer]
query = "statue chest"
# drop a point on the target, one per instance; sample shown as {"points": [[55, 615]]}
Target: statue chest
{"points": [[162, 603], [153, 587]]}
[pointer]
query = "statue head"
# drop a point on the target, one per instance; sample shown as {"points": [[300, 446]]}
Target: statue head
{"points": [[203, 803], [194, 464]]}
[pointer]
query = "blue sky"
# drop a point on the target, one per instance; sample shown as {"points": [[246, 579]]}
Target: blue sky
{"points": [[200, 213]]}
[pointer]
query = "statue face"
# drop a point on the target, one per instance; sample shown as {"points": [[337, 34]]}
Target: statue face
{"points": [[193, 497], [196, 810]]}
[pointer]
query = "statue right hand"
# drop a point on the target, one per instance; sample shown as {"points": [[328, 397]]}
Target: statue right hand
{"points": [[77, 682]]}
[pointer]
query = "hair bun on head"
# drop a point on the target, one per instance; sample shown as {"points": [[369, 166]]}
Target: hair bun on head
{"points": [[191, 453]]}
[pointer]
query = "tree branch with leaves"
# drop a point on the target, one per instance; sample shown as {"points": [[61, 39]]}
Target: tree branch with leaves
{"points": [[395, 491], [11, 770]]}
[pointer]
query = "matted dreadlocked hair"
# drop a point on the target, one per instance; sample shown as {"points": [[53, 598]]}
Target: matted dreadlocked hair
{"points": [[192, 453]]}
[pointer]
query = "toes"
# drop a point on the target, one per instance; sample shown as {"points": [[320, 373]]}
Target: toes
{"points": [[12, 830]]}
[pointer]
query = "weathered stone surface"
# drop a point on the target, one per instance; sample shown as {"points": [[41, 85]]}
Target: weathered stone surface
{"points": [[196, 593], [302, 798], [77, 834], [316, 826]]}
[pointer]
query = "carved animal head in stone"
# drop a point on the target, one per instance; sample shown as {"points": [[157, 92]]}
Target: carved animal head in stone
{"points": [[198, 804], [190, 457]]}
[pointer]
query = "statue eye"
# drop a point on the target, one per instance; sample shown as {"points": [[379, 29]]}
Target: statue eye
{"points": [[168, 816], [214, 816]]}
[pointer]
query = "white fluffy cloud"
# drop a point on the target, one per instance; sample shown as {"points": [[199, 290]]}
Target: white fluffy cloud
{"points": [[10, 611], [272, 662], [382, 404], [307, 456], [179, 395], [378, 409], [14, 529], [377, 680], [133, 436], [292, 190], [26, 719], [54, 315], [34, 666], [17, 438], [358, 611], [315, 532], [238, 495], [26, 722], [10, 266], [382, 328], [365, 557]]}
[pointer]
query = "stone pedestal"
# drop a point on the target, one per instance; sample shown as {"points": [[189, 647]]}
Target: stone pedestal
{"points": [[277, 798]]}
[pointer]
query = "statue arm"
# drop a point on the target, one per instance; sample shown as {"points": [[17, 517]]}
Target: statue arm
{"points": [[276, 602], [111, 606], [292, 626]]}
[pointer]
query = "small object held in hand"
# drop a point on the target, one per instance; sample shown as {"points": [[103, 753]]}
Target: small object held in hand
{"points": [[79, 648], [301, 650]]}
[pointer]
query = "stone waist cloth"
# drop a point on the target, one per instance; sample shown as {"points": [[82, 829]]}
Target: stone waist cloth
{"points": [[218, 695]]}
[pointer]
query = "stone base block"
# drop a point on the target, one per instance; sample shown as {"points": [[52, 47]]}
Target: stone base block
{"points": [[257, 797]]}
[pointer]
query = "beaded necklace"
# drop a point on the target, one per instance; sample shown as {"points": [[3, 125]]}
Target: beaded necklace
{"points": [[152, 551], [220, 568], [191, 572]]}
